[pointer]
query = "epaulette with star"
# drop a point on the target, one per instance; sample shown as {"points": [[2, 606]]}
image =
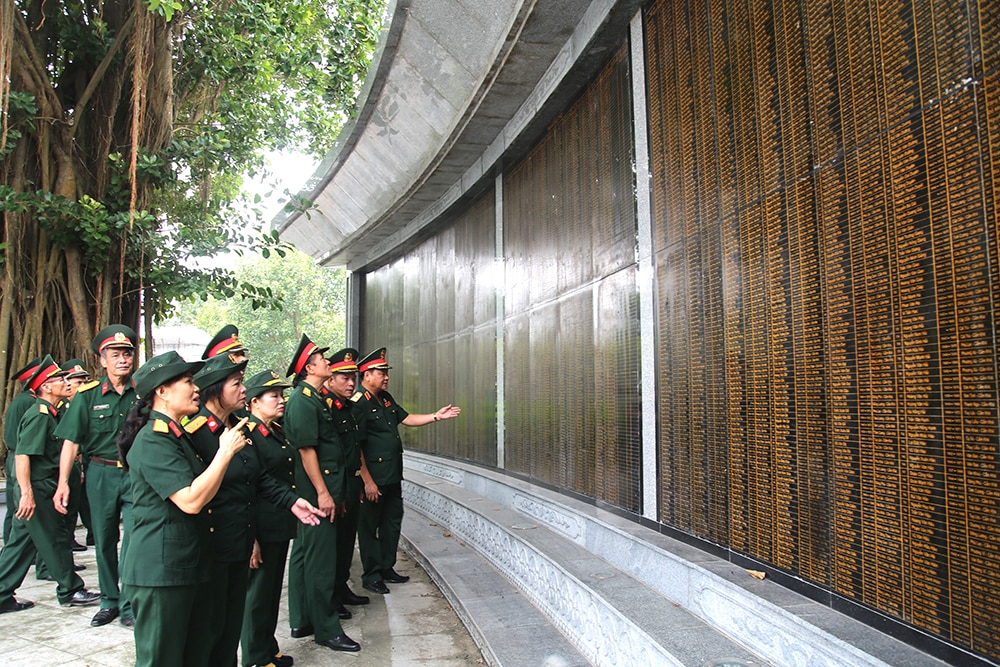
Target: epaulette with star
{"points": [[88, 386], [196, 423], [357, 396]]}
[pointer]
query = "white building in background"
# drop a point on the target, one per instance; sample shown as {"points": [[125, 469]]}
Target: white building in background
{"points": [[187, 341]]}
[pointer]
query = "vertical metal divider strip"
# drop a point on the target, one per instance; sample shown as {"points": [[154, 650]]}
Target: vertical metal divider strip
{"points": [[645, 278], [500, 278]]}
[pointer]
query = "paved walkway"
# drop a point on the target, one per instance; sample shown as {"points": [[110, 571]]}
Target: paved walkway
{"points": [[413, 625]]}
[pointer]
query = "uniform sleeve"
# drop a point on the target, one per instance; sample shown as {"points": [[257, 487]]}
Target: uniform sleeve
{"points": [[159, 460], [301, 422], [73, 424], [33, 432], [272, 491]]}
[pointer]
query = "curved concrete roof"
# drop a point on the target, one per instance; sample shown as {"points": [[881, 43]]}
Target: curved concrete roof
{"points": [[456, 86]]}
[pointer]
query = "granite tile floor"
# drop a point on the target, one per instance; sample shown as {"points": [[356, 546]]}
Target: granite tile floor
{"points": [[414, 625]]}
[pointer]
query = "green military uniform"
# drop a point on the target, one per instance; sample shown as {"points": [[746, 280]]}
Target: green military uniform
{"points": [[379, 523], [309, 422], [11, 420], [275, 529], [45, 530], [93, 421], [232, 517], [167, 564], [352, 435]]}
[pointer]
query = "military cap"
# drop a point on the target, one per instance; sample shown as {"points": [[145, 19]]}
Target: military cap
{"points": [[47, 369], [264, 381], [374, 360], [218, 368], [306, 349], [227, 340], [160, 370], [116, 335], [24, 374], [344, 361], [74, 369]]}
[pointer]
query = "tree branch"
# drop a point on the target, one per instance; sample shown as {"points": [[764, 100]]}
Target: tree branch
{"points": [[98, 76]]}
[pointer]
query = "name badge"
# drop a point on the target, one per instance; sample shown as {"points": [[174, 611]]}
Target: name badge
{"points": [[105, 406]]}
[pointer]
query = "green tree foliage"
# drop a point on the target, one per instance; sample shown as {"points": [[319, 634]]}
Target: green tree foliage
{"points": [[128, 128], [313, 301]]}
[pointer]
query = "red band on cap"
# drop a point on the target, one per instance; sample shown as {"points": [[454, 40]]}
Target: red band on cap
{"points": [[373, 362], [28, 372], [300, 363], [42, 377], [343, 367], [224, 345], [119, 338]]}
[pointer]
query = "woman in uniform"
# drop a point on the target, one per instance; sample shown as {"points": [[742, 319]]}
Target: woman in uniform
{"points": [[232, 514], [167, 563], [275, 526]]}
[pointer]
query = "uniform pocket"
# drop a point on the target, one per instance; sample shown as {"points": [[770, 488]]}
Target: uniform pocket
{"points": [[180, 547]]}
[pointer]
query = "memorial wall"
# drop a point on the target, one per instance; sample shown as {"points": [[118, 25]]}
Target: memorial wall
{"points": [[824, 194], [824, 215]]}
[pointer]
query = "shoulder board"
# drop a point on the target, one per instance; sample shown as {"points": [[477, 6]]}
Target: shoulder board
{"points": [[329, 402], [88, 386], [196, 423], [160, 426], [251, 426], [43, 409], [307, 391], [357, 396]]}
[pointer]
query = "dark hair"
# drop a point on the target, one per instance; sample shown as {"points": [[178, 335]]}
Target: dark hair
{"points": [[213, 390], [301, 377], [134, 421]]}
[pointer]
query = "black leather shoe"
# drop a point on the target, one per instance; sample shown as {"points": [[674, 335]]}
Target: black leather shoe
{"points": [[76, 546], [395, 577], [343, 613], [282, 661], [103, 617], [79, 566], [13, 605], [83, 597], [347, 596], [304, 631], [128, 621], [340, 643], [377, 587]]}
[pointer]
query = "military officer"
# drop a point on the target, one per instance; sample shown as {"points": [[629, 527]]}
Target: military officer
{"points": [[226, 341], [77, 377], [90, 428], [344, 373], [233, 511], [168, 564], [381, 515], [11, 420], [36, 521], [275, 526], [319, 477]]}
